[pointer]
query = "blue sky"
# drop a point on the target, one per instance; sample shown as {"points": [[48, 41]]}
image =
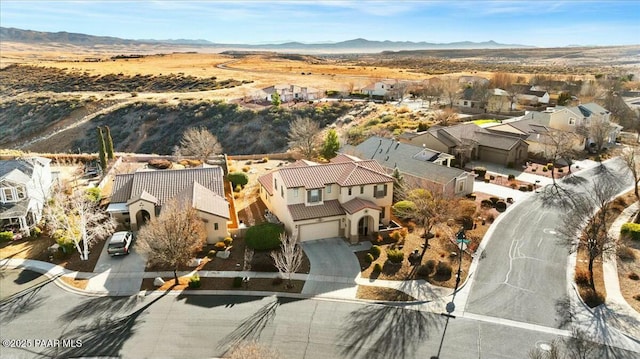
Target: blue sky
{"points": [[538, 23]]}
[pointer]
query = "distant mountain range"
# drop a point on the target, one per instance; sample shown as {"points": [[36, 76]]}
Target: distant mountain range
{"points": [[355, 45]]}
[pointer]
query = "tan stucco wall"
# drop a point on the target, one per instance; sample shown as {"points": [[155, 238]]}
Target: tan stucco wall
{"points": [[138, 206]]}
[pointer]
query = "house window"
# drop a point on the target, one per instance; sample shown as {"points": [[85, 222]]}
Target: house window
{"points": [[215, 226], [295, 192], [314, 196], [275, 184], [460, 186], [21, 193], [8, 195], [349, 191], [380, 191], [381, 213], [361, 189], [282, 191], [572, 121], [329, 189]]}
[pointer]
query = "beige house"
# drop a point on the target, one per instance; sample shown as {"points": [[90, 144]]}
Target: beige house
{"points": [[349, 198], [418, 165], [138, 196], [541, 139], [473, 142], [289, 93], [575, 118]]}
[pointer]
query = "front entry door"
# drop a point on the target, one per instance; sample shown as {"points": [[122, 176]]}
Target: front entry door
{"points": [[363, 226]]}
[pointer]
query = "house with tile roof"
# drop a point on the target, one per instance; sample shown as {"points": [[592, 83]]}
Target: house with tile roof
{"points": [[575, 119], [540, 138], [472, 141], [419, 166], [25, 184], [288, 93], [139, 196], [348, 197]]}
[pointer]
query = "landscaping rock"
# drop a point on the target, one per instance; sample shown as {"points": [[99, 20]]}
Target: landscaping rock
{"points": [[223, 254], [158, 282], [194, 262]]}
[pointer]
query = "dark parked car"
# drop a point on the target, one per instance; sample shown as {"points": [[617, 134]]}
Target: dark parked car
{"points": [[119, 243]]}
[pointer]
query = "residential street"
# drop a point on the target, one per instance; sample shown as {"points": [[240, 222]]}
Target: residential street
{"points": [[522, 275], [177, 326]]}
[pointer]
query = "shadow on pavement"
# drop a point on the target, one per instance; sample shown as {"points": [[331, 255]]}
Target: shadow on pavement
{"points": [[23, 301], [101, 306], [382, 332], [104, 336], [251, 327]]}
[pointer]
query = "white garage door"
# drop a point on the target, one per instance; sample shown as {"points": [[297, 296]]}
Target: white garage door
{"points": [[319, 230]]}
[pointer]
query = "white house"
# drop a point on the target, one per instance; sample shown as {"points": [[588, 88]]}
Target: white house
{"points": [[25, 185], [349, 198], [138, 196], [289, 93]]}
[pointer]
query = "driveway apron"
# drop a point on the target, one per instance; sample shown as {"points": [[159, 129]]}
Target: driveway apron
{"points": [[120, 275], [334, 268]]}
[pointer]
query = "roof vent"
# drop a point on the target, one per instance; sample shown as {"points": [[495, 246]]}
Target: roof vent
{"points": [[387, 158]]}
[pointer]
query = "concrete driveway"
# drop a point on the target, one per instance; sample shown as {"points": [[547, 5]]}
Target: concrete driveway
{"points": [[334, 267], [120, 275]]}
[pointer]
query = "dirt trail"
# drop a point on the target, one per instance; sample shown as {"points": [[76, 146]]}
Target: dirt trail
{"points": [[82, 121]]}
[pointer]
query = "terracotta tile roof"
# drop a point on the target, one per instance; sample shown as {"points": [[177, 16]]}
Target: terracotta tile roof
{"points": [[267, 182], [166, 184], [358, 204], [344, 174], [327, 209]]}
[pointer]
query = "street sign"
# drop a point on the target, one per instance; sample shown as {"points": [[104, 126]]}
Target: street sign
{"points": [[462, 240]]}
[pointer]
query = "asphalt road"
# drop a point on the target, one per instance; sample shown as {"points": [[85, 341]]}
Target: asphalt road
{"points": [[522, 276], [176, 326]]}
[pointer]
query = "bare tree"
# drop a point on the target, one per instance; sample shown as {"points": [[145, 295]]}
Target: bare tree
{"points": [[426, 206], [173, 238], [76, 219], [303, 136], [514, 90], [427, 91], [446, 117], [629, 158], [501, 80], [451, 90], [585, 224], [598, 131], [289, 259], [481, 93], [561, 144], [198, 142]]}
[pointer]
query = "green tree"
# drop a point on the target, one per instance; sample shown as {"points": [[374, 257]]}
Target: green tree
{"points": [[238, 178], [102, 149], [398, 184], [275, 99], [109, 142], [331, 145], [564, 98]]}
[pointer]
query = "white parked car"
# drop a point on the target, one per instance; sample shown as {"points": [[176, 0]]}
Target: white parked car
{"points": [[119, 243]]}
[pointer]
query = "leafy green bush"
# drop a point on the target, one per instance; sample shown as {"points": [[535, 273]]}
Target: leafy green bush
{"points": [[377, 268], [94, 194], [402, 209], [632, 230], [36, 232], [395, 255], [264, 236], [194, 281], [368, 258], [375, 251], [545, 169], [6, 236], [237, 282], [238, 178]]}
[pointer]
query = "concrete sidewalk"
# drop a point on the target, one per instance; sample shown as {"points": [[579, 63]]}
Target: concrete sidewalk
{"points": [[628, 319]]}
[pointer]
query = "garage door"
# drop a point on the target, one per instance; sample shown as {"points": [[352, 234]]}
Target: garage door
{"points": [[319, 230]]}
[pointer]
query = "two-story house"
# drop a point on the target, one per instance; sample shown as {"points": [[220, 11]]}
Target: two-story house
{"points": [[25, 185], [351, 198], [289, 93], [576, 119], [138, 196]]}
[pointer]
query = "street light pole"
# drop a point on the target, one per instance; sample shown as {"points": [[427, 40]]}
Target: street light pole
{"points": [[462, 239]]}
